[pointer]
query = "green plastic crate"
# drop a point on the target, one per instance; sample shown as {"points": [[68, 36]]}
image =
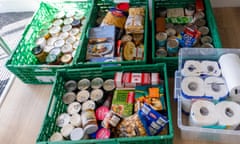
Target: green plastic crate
{"points": [[23, 63], [104, 5], [56, 106], [172, 62]]}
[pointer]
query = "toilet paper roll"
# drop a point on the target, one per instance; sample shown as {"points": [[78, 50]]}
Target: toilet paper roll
{"points": [[192, 87], [191, 68], [186, 105], [210, 68], [203, 113], [230, 66], [216, 88], [229, 114]]}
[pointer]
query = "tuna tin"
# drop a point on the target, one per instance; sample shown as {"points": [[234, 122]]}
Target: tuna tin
{"points": [[97, 95], [161, 52], [76, 120], [109, 85], [66, 130]]}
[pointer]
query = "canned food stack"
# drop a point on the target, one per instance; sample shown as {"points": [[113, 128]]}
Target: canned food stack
{"points": [[129, 105], [58, 40], [118, 35], [181, 27]]}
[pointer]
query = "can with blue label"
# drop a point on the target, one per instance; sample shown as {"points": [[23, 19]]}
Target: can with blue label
{"points": [[161, 39], [172, 47]]}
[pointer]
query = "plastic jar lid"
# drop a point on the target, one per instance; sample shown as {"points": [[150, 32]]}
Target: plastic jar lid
{"points": [[70, 85], [77, 134], [63, 119], [55, 51], [83, 96], [69, 97], [66, 130], [51, 58], [57, 136], [74, 107], [83, 84], [51, 40]]}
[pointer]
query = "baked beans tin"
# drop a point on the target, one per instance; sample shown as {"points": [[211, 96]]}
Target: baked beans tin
{"points": [[108, 85], [70, 85], [172, 47], [84, 84], [161, 38], [97, 83]]}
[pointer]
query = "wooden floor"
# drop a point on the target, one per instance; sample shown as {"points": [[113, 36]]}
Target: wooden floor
{"points": [[22, 113]]}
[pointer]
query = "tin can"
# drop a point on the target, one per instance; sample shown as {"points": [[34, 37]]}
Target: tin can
{"points": [[74, 31], [171, 32], [63, 35], [161, 38], [206, 39], [97, 95], [63, 119], [66, 28], [66, 130], [57, 52], [83, 84], [51, 40], [40, 54], [204, 30], [199, 15], [108, 85], [76, 44], [59, 43], [60, 15], [83, 96], [55, 30], [48, 48], [57, 136], [66, 58], [88, 105], [41, 42], [67, 48], [76, 23], [68, 21], [71, 39], [77, 134], [58, 22], [161, 52], [89, 121], [74, 107], [76, 120], [137, 38], [172, 47], [200, 22], [70, 85], [97, 83], [69, 97], [51, 59]]}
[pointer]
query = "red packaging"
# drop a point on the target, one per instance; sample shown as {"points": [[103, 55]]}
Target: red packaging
{"points": [[118, 79], [131, 97], [103, 133], [146, 79], [155, 78], [101, 112], [199, 5]]}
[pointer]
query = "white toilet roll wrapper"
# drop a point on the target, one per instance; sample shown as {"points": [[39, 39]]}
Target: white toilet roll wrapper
{"points": [[216, 88], [192, 87], [229, 114], [230, 66], [203, 113], [191, 68], [210, 68]]}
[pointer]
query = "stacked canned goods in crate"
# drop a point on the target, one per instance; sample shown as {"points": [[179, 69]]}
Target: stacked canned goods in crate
{"points": [[181, 27], [128, 104], [118, 33], [58, 41]]}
